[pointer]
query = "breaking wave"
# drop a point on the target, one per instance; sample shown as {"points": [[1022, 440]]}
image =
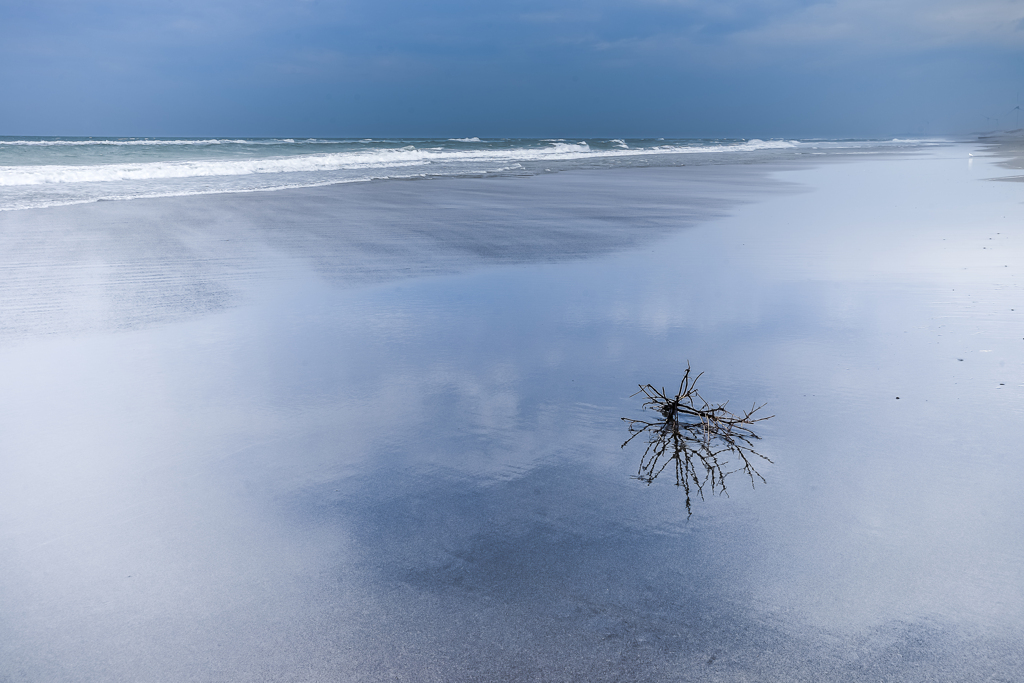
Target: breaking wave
{"points": [[41, 172], [361, 159]]}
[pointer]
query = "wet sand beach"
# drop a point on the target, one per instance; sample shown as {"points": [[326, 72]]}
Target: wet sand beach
{"points": [[117, 264], [371, 432], [1008, 149]]}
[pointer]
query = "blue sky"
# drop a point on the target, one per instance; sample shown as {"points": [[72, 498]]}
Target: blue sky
{"points": [[765, 68]]}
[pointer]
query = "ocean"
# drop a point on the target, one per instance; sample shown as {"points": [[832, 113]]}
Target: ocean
{"points": [[37, 172]]}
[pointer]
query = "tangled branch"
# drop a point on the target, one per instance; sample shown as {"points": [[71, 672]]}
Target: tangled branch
{"points": [[699, 437]]}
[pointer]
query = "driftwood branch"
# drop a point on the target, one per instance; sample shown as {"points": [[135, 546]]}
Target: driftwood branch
{"points": [[705, 441]]}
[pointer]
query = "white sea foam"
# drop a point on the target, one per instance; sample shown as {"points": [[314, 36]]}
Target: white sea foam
{"points": [[405, 156], [52, 172], [39, 175], [159, 142], [124, 143]]}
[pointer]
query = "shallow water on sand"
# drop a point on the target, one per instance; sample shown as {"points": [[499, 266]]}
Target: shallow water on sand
{"points": [[422, 480]]}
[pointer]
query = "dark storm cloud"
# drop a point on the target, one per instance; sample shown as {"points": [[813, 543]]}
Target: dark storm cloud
{"points": [[650, 67]]}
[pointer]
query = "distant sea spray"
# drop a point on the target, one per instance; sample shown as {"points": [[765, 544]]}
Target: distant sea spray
{"points": [[38, 172]]}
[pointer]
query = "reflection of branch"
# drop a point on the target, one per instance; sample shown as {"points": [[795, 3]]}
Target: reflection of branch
{"points": [[698, 436]]}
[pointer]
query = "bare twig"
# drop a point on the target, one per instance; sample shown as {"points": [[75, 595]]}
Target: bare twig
{"points": [[697, 436]]}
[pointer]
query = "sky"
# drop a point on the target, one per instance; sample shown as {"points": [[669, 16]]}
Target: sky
{"points": [[510, 68]]}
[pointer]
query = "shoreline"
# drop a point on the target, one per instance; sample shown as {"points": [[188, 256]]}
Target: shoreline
{"points": [[182, 169], [1009, 148]]}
